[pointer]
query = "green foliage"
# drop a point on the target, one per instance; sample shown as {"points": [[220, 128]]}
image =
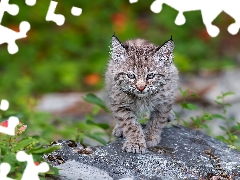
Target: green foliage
{"points": [[91, 98], [231, 127], [44, 131], [46, 127], [73, 57], [10, 145]]}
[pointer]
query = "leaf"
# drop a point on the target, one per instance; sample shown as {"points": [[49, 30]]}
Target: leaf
{"points": [[91, 98], [207, 116], [227, 104], [219, 97], [223, 128], [9, 158], [89, 118], [191, 107], [184, 93], [204, 126], [96, 110], [97, 138], [90, 121], [219, 116], [84, 127], [236, 128], [44, 150], [23, 143], [221, 138], [233, 137], [3, 150], [228, 94], [103, 125], [184, 105], [219, 103]]}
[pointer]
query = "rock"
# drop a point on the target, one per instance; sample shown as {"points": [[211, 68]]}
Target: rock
{"points": [[181, 154]]}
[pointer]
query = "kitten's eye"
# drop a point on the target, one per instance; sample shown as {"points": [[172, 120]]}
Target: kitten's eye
{"points": [[150, 76], [131, 76]]}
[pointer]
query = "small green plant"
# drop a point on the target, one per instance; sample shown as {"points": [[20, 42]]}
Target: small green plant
{"points": [[231, 128], [105, 129], [196, 122], [44, 124], [10, 145]]}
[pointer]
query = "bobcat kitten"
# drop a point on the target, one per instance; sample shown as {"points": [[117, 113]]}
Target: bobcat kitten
{"points": [[140, 77]]}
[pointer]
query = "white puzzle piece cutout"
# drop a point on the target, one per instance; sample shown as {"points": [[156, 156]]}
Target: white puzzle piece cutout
{"points": [[30, 2], [7, 35], [31, 171], [4, 170], [209, 10], [76, 11], [12, 9], [12, 123], [133, 1], [51, 16], [4, 105]]}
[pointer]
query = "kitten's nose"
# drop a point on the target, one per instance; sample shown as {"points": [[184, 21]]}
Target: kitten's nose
{"points": [[141, 88], [141, 85]]}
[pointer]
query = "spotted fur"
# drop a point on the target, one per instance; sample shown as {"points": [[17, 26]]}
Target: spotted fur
{"points": [[140, 77]]}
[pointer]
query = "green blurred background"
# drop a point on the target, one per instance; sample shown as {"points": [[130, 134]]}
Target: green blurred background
{"points": [[73, 57]]}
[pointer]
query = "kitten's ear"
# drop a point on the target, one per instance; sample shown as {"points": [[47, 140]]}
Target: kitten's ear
{"points": [[118, 51], [164, 53]]}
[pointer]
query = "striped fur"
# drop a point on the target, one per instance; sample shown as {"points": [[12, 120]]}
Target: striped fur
{"points": [[140, 77]]}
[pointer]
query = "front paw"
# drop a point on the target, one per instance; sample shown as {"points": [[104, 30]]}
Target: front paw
{"points": [[138, 146], [117, 131], [153, 140], [171, 116]]}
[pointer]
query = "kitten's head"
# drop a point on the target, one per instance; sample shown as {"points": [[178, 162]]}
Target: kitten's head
{"points": [[141, 68]]}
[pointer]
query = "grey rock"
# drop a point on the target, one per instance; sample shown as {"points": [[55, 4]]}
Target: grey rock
{"points": [[181, 154]]}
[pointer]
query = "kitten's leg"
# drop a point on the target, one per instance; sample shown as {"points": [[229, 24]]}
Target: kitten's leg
{"points": [[131, 129], [154, 128]]}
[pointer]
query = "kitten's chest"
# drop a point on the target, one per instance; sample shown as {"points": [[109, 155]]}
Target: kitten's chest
{"points": [[144, 105]]}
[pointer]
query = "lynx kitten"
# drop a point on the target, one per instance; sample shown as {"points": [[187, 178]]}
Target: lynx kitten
{"points": [[140, 77]]}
